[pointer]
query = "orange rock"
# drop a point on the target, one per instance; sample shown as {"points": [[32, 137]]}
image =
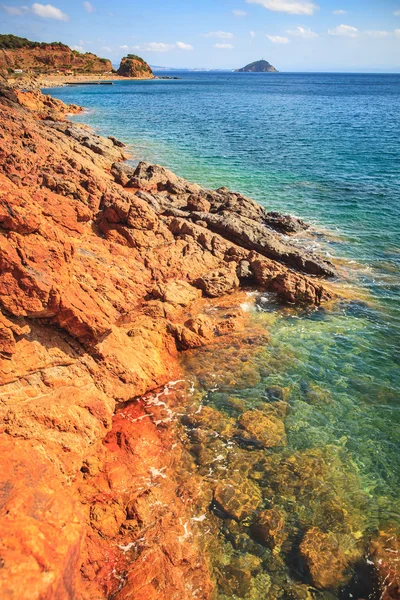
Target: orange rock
{"points": [[41, 526], [105, 281]]}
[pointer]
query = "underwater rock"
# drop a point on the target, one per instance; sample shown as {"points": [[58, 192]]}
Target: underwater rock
{"points": [[238, 499], [269, 529], [328, 557], [261, 430]]}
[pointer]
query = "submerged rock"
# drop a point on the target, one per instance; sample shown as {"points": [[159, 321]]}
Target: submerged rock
{"points": [[261, 430], [270, 528], [238, 499], [328, 557]]}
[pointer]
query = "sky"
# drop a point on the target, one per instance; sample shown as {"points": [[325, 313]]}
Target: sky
{"points": [[293, 35]]}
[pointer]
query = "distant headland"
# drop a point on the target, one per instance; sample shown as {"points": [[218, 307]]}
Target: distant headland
{"points": [[259, 66]]}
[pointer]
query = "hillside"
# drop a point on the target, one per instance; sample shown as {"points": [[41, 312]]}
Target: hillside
{"points": [[37, 57], [259, 66], [134, 66]]}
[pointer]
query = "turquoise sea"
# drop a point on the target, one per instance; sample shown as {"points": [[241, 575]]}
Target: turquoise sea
{"points": [[325, 147]]}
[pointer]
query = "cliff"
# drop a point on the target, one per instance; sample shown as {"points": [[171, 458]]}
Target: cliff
{"points": [[107, 274], [260, 66], [36, 57], [134, 66]]}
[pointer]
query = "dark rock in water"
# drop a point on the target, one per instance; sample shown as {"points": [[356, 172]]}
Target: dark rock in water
{"points": [[269, 529], [274, 393], [285, 223], [259, 66], [122, 173]]}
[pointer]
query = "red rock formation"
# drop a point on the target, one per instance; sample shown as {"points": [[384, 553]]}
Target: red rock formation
{"points": [[98, 291], [35, 56]]}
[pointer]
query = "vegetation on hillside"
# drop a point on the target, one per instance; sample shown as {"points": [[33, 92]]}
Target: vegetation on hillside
{"points": [[13, 42]]}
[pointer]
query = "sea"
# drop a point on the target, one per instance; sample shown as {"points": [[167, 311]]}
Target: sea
{"points": [[326, 148]]}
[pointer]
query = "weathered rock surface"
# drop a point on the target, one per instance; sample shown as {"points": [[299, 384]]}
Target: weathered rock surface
{"points": [[100, 286]]}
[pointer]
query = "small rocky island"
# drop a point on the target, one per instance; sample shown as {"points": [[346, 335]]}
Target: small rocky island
{"points": [[259, 66], [135, 66]]}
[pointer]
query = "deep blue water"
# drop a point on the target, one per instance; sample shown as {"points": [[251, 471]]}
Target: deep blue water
{"points": [[325, 147]]}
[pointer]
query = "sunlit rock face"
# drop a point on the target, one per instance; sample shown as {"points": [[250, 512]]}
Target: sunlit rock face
{"points": [[150, 449]]}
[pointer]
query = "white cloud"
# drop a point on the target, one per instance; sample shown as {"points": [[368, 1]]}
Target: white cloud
{"points": [[277, 39], [106, 48], [339, 12], [48, 11], [124, 47], [302, 32], [159, 47], [344, 31], [396, 13], [78, 48], [183, 46], [239, 13], [155, 47], [252, 34], [293, 7], [88, 6], [378, 34], [224, 35], [15, 11], [223, 46], [397, 32]]}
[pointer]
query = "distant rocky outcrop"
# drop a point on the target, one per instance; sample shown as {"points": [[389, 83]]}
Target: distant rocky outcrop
{"points": [[20, 54], [134, 66], [259, 66]]}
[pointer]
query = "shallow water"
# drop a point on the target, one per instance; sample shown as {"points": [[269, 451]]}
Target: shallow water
{"points": [[326, 148]]}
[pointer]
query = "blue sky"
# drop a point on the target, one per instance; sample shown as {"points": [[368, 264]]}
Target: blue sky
{"points": [[294, 35]]}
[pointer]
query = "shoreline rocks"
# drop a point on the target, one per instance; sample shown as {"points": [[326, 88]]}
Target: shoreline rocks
{"points": [[101, 286]]}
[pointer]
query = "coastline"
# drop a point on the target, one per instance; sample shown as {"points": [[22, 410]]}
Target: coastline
{"points": [[120, 344], [52, 81]]}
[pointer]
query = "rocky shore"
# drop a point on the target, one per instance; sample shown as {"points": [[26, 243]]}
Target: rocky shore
{"points": [[109, 274]]}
